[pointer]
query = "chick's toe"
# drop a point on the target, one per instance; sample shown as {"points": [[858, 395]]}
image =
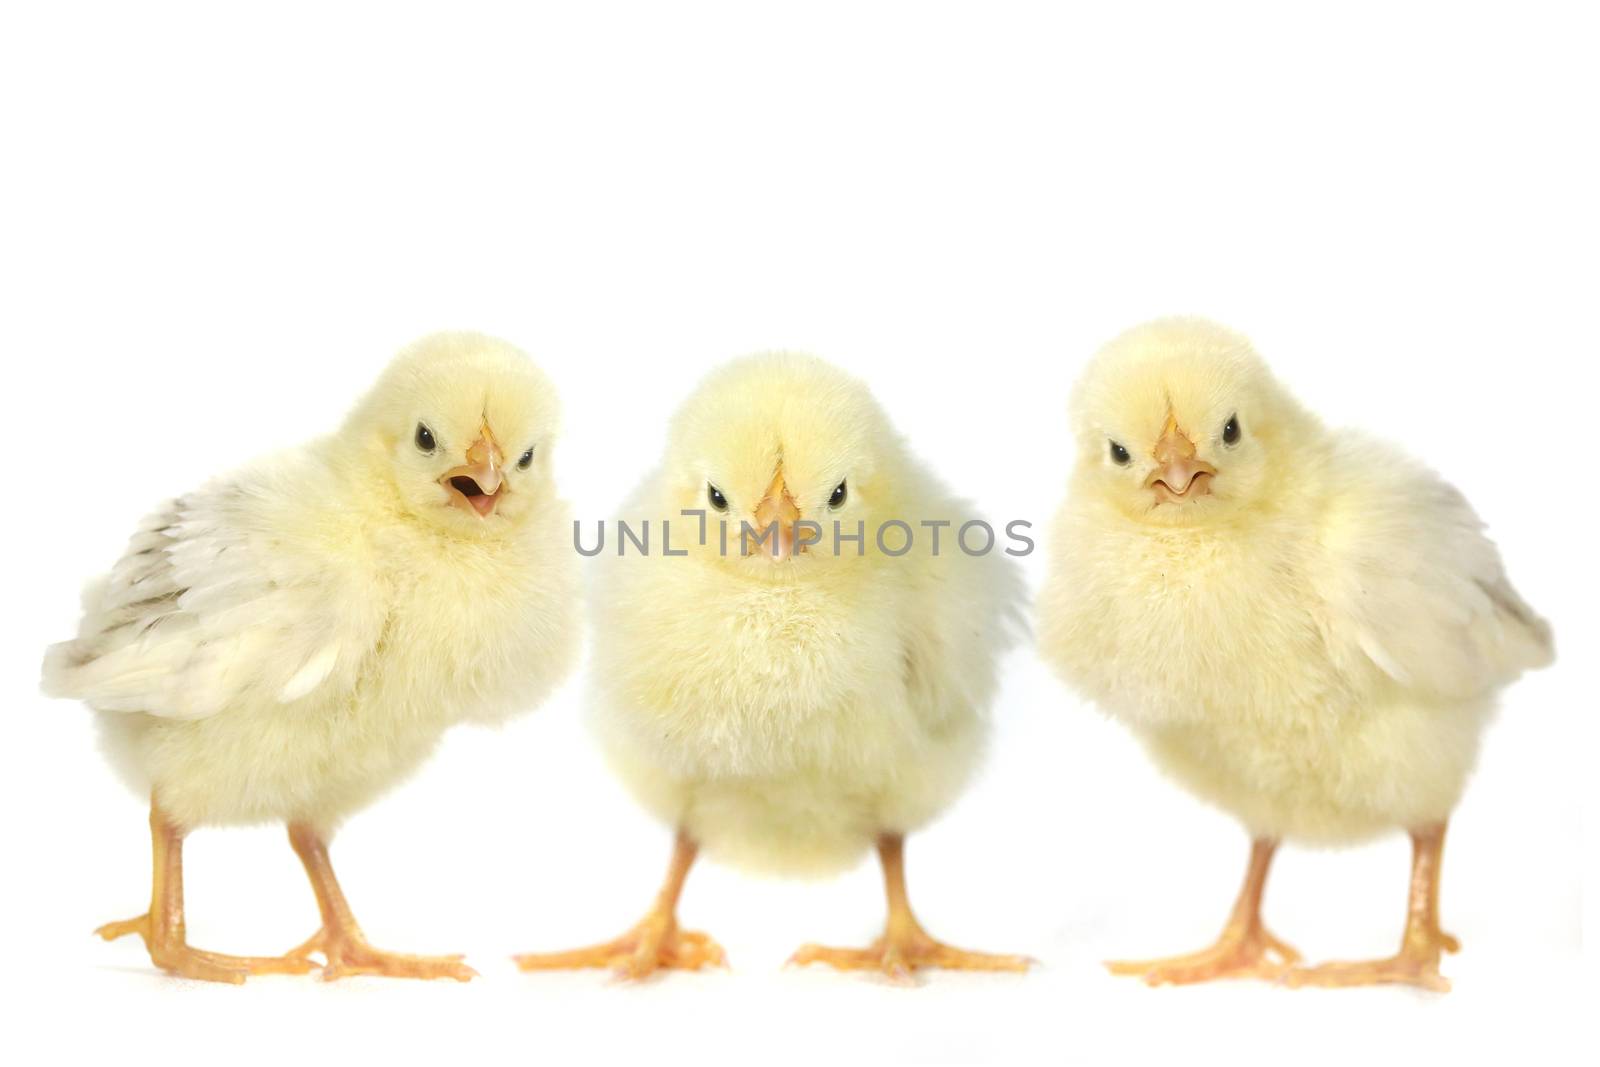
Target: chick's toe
{"points": [[172, 954], [347, 953], [1246, 948], [1237, 954], [1418, 969], [655, 944], [340, 941], [899, 956], [905, 946]]}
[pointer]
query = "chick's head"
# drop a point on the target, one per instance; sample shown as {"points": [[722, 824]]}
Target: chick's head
{"points": [[1179, 422], [776, 449], [460, 427]]}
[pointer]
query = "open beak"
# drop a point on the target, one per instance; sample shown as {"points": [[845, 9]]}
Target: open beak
{"points": [[1178, 475], [476, 486], [776, 507]]}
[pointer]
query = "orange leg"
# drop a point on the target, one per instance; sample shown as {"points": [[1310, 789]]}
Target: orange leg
{"points": [[1417, 962], [340, 940], [905, 946], [162, 927], [1245, 949], [655, 943]]}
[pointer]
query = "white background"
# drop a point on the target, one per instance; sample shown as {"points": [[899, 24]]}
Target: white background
{"points": [[215, 227]]}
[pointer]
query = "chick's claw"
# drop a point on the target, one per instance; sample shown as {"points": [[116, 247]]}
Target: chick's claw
{"points": [[348, 955]]}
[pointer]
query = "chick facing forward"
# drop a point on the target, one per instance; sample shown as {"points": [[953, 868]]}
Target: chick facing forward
{"points": [[292, 639], [1304, 627], [784, 699]]}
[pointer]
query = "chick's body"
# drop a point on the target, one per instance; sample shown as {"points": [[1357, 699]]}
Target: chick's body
{"points": [[788, 721], [293, 639], [786, 714], [1222, 650], [439, 632], [1313, 639]]}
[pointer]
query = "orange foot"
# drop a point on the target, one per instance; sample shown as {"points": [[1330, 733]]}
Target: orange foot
{"points": [[1239, 953], [348, 953], [902, 952], [171, 953], [654, 944], [1416, 964]]}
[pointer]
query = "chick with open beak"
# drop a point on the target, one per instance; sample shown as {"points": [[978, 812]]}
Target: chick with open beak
{"points": [[776, 518], [475, 487], [1179, 474]]}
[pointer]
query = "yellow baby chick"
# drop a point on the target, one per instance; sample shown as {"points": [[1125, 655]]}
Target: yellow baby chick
{"points": [[1304, 627], [292, 639], [783, 699]]}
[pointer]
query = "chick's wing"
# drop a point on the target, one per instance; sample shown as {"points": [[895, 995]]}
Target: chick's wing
{"points": [[1409, 581], [213, 603]]}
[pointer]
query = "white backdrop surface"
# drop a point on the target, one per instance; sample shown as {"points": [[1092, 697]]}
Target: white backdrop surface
{"points": [[216, 225]]}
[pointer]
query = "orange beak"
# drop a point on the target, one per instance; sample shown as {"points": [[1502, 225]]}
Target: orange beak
{"points": [[779, 508], [476, 486], [1178, 475]]}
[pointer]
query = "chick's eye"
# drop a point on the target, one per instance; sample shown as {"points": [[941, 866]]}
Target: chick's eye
{"points": [[1119, 454], [526, 460], [838, 498], [1230, 431], [425, 439], [718, 501]]}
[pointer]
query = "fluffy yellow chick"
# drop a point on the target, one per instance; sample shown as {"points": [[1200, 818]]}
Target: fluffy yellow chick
{"points": [[1304, 627], [787, 704], [292, 639]]}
